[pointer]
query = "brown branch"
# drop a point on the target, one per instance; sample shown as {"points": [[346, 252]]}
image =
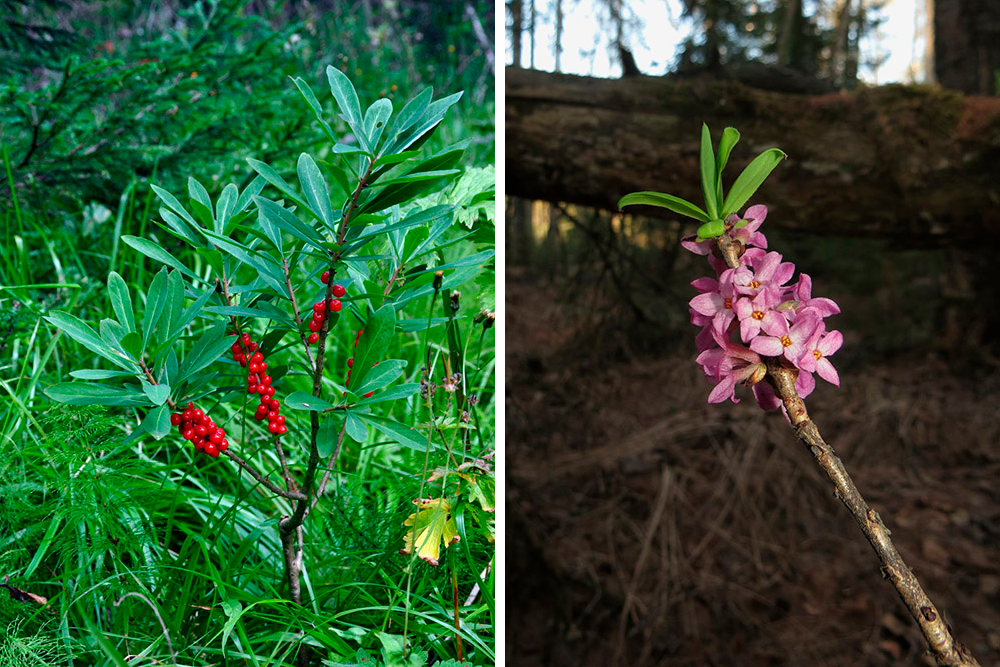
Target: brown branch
{"points": [[946, 650], [291, 495]]}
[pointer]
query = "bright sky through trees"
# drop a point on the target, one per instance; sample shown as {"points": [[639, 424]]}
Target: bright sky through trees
{"points": [[658, 29]]}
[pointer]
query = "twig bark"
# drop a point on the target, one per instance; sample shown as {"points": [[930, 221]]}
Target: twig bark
{"points": [[946, 651]]}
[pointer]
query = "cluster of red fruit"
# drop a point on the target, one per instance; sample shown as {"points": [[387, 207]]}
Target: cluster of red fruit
{"points": [[204, 434], [320, 308], [350, 365], [259, 383]]}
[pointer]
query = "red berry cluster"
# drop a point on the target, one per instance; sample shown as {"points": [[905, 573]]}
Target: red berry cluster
{"points": [[320, 308], [204, 434], [259, 383], [350, 365]]}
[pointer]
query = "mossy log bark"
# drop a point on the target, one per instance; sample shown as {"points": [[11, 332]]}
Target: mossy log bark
{"points": [[914, 163]]}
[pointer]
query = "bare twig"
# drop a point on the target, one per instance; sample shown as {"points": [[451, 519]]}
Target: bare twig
{"points": [[947, 652], [291, 495]]}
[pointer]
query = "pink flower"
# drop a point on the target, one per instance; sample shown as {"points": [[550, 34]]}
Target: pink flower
{"points": [[803, 294], [821, 345], [758, 313], [749, 235], [715, 304], [729, 364], [768, 271], [792, 345]]}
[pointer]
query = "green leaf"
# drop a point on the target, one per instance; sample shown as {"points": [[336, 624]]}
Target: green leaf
{"points": [[157, 393], [709, 176], [269, 174], [226, 206], [316, 190], [375, 119], [378, 333], [121, 301], [97, 374], [347, 99], [729, 138], [355, 428], [157, 422], [380, 376], [405, 435], [156, 299], [300, 400], [393, 394], [173, 305], [751, 178], [173, 204], [82, 333], [153, 250], [675, 204], [326, 439], [205, 351], [88, 393], [711, 230], [317, 108], [263, 263], [289, 222]]}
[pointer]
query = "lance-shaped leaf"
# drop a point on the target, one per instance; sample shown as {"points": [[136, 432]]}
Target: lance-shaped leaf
{"points": [[709, 177], [675, 204], [289, 222], [300, 400], [156, 300], [751, 178], [316, 190], [82, 333], [729, 138], [155, 251], [89, 393], [157, 422], [378, 333], [121, 301], [380, 376], [269, 174], [430, 526], [206, 350], [315, 106], [347, 99], [375, 119]]}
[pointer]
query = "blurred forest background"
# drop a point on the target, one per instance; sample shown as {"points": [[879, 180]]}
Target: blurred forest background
{"points": [[100, 100], [649, 528]]}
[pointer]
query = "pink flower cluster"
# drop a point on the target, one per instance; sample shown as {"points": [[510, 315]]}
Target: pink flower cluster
{"points": [[770, 318]]}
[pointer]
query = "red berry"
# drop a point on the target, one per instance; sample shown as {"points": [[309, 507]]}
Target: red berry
{"points": [[280, 419], [186, 415], [218, 436], [175, 419], [335, 306], [315, 325], [240, 358], [273, 427], [325, 277], [271, 415], [319, 307], [188, 434], [268, 391], [201, 430], [339, 291], [191, 405], [263, 367], [350, 362], [274, 404], [254, 367], [212, 450], [257, 357], [313, 338], [236, 347], [246, 339], [282, 429], [199, 444], [197, 414], [261, 389], [224, 445], [368, 395], [252, 388], [265, 380], [252, 347]]}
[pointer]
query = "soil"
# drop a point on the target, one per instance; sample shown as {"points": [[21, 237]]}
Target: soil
{"points": [[647, 527]]}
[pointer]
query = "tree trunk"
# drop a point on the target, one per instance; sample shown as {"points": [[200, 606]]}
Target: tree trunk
{"points": [[913, 163], [967, 52]]}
